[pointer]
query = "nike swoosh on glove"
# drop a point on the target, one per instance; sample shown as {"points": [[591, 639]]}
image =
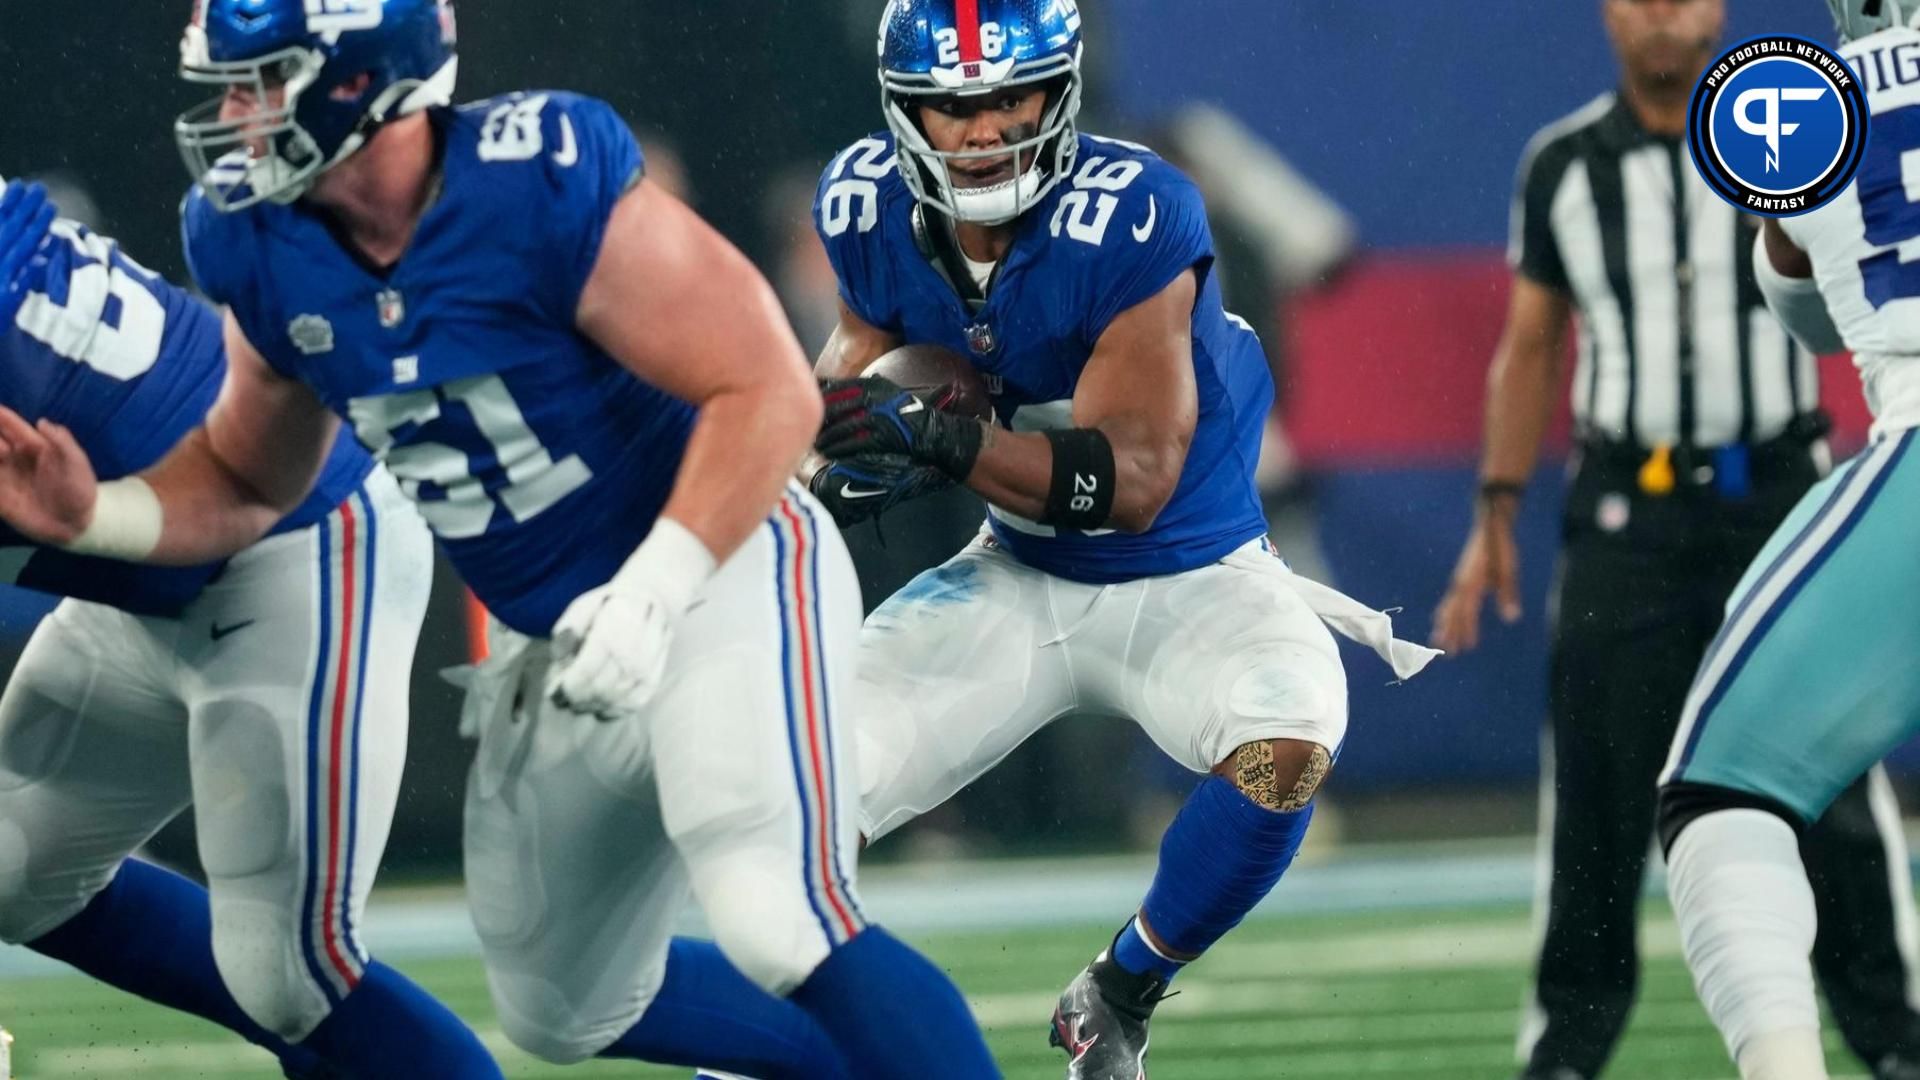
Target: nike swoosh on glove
{"points": [[872, 416], [864, 487], [610, 646]]}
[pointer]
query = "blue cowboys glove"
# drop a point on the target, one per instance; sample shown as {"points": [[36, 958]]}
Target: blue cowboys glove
{"points": [[25, 217], [872, 416], [867, 486]]}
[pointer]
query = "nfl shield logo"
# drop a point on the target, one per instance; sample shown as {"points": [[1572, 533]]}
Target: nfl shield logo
{"points": [[980, 339], [392, 308]]}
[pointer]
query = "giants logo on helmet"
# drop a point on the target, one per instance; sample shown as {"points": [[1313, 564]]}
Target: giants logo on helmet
{"points": [[333, 16]]}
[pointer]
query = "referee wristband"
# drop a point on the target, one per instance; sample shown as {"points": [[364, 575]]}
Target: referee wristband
{"points": [[1081, 494], [1499, 495], [1496, 489], [126, 524]]}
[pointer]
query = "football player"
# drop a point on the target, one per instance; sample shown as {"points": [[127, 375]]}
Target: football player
{"points": [[1812, 678], [270, 693], [596, 404], [1125, 567]]}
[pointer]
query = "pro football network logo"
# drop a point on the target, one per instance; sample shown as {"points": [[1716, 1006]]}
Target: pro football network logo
{"points": [[1777, 125]]}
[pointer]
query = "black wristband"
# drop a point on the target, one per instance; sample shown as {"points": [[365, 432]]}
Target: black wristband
{"points": [[1495, 489], [1081, 495]]}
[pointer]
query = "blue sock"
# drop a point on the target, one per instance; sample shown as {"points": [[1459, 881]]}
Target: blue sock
{"points": [[150, 933], [708, 1014], [894, 1014], [1131, 950], [389, 1027], [1219, 858]]}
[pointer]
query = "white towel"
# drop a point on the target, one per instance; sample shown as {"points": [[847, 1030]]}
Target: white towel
{"points": [[1356, 621]]}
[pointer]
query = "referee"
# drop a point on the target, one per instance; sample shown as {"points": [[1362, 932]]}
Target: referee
{"points": [[1699, 428]]}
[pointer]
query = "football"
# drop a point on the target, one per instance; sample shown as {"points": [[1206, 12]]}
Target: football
{"points": [[957, 387]]}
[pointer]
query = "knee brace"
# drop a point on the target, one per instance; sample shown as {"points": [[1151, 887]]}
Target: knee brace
{"points": [[1683, 801], [1283, 782]]}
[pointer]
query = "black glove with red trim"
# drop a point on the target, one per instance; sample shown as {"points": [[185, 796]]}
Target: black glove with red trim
{"points": [[871, 416]]}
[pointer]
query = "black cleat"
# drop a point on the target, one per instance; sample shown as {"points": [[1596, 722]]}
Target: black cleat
{"points": [[1101, 1021]]}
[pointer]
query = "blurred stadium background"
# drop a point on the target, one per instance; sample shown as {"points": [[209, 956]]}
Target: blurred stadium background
{"points": [[1359, 161]]}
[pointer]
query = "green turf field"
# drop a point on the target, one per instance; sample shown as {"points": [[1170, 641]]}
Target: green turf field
{"points": [[1405, 995]]}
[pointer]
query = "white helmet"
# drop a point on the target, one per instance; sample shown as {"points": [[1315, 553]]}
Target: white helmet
{"points": [[1856, 19]]}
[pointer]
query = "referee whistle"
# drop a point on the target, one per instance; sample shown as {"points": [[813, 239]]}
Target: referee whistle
{"points": [[1656, 474]]}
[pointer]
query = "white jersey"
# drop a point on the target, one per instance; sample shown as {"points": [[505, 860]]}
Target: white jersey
{"points": [[1865, 244]]}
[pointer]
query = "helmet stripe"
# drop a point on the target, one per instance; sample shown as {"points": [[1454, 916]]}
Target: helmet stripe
{"points": [[966, 19]]}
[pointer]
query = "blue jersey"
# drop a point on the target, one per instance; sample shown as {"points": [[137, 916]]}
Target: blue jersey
{"points": [[1114, 234], [538, 461], [130, 364]]}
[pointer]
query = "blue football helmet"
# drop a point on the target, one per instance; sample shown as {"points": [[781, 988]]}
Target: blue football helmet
{"points": [[1856, 19], [299, 63], [940, 48]]}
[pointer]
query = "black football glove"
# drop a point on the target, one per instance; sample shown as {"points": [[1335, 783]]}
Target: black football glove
{"points": [[865, 487], [873, 416]]}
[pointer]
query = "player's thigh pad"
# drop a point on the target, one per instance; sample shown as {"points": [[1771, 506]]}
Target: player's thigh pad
{"points": [[300, 657], [1812, 678], [1219, 657], [93, 760], [574, 887], [955, 671], [751, 746]]}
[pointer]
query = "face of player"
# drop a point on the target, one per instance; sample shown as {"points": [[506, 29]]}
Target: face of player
{"points": [[1664, 42], [244, 101], [980, 123]]}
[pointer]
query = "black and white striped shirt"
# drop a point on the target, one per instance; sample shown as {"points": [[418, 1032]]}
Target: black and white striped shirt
{"points": [[1676, 344]]}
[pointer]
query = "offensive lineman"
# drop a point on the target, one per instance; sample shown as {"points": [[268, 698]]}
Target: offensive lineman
{"points": [[1812, 679], [270, 693], [596, 404], [1125, 569]]}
